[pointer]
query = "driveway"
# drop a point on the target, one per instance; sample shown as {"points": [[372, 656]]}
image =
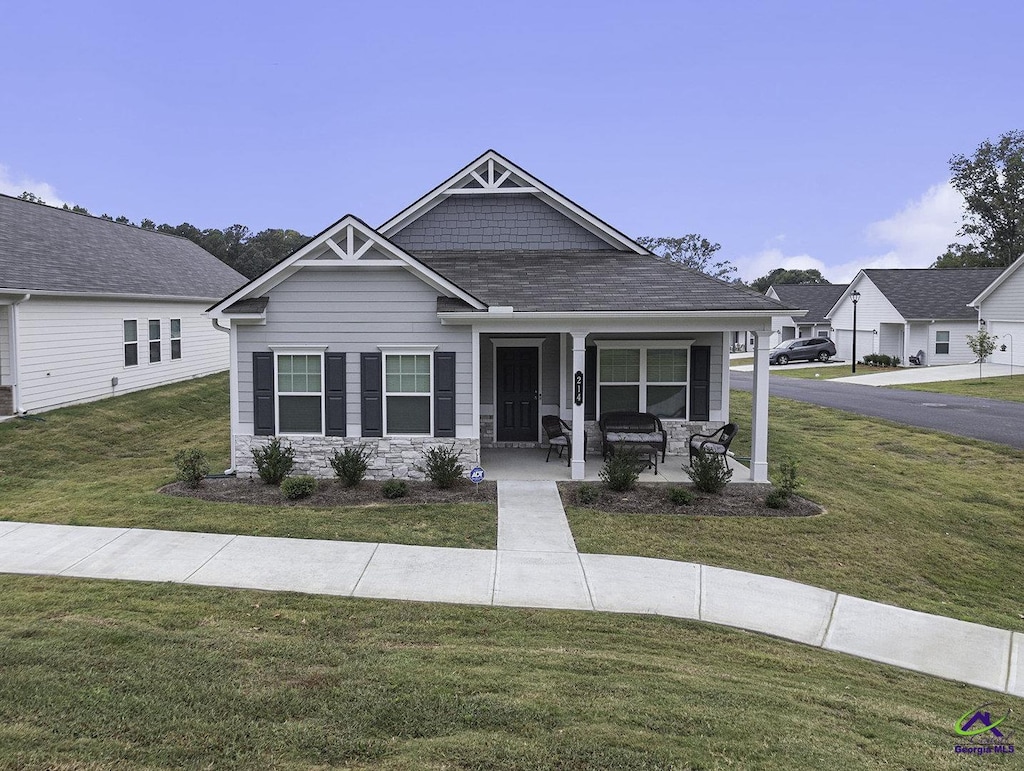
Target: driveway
{"points": [[988, 419]]}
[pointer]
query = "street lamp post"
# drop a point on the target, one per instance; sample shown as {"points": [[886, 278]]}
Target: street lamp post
{"points": [[854, 296]]}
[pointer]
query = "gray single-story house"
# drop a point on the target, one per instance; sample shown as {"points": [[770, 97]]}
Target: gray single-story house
{"points": [[91, 308], [485, 304], [817, 299], [1000, 310]]}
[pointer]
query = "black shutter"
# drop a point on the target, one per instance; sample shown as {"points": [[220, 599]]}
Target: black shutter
{"points": [[700, 382], [372, 407], [263, 394], [590, 398], [334, 393], [444, 394]]}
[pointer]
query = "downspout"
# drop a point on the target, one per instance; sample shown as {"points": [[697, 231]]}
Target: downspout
{"points": [[232, 387], [15, 378]]}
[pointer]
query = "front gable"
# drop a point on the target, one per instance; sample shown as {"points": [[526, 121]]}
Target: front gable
{"points": [[492, 204]]}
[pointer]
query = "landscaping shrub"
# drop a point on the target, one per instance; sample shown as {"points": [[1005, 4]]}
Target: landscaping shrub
{"points": [[394, 488], [273, 462], [776, 498], [442, 466], [351, 464], [587, 494], [298, 487], [622, 470], [709, 473], [881, 360], [680, 496], [192, 466], [788, 482]]}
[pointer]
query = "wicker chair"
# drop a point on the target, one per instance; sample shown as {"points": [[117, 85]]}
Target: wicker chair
{"points": [[715, 443], [559, 436]]}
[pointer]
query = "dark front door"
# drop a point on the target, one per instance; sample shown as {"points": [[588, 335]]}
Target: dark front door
{"points": [[516, 396]]}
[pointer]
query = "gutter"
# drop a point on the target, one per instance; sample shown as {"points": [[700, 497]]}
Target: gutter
{"points": [[15, 378]]}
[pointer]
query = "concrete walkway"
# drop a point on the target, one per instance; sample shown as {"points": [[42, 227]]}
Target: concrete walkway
{"points": [[529, 577], [915, 375]]}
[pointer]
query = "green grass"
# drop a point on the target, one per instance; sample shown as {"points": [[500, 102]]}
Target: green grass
{"points": [[101, 675], [1010, 389], [101, 464], [914, 518], [741, 361]]}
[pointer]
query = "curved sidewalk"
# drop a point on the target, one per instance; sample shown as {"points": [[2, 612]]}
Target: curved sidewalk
{"points": [[980, 655]]}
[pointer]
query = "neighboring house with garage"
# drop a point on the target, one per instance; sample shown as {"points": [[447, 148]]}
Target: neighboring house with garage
{"points": [[489, 302], [1000, 309], [817, 299], [91, 308], [901, 311]]}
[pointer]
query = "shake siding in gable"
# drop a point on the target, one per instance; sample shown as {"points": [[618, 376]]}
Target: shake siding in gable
{"points": [[70, 349], [354, 311], [495, 221]]}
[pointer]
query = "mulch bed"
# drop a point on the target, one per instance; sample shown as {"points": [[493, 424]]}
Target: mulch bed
{"points": [[744, 500], [330, 493]]}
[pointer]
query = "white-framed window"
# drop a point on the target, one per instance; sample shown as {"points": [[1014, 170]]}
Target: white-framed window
{"points": [[175, 338], [408, 392], [154, 340], [300, 392], [131, 342], [942, 342], [644, 376]]}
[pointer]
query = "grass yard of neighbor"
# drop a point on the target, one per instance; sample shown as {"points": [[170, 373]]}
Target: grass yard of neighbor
{"points": [[1007, 388], [104, 674], [826, 373]]}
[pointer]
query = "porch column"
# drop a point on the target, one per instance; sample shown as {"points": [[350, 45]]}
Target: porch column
{"points": [[759, 410], [576, 390]]}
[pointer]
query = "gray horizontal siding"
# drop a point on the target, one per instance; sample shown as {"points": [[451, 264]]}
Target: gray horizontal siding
{"points": [[354, 312], [495, 221]]}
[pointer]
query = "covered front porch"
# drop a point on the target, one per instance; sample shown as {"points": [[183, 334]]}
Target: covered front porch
{"points": [[504, 464]]}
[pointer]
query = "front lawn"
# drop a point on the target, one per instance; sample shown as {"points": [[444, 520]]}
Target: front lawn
{"points": [[914, 518], [103, 674], [827, 373], [1010, 389], [102, 463]]}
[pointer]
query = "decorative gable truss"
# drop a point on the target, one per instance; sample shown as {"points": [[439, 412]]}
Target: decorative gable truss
{"points": [[493, 174], [347, 244]]}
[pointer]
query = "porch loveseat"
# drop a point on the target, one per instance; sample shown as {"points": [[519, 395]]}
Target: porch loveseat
{"points": [[632, 428]]}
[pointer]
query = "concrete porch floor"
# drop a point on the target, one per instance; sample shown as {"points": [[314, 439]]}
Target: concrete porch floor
{"points": [[504, 464]]}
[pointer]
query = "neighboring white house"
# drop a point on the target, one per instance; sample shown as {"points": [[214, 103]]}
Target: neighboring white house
{"points": [[488, 303], [817, 299], [1001, 307], [90, 308], [901, 312]]}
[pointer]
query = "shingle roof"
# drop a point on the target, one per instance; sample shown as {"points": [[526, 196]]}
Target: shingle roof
{"points": [[929, 293], [249, 305], [818, 299], [589, 281], [47, 249]]}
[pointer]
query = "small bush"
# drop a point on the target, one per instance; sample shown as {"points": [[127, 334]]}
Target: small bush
{"points": [[351, 464], [709, 473], [192, 466], [680, 496], [622, 470], [776, 499], [273, 462], [788, 482], [896, 361], [394, 488], [587, 494], [442, 466], [298, 487]]}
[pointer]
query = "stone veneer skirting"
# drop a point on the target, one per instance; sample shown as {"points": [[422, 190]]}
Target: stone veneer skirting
{"points": [[394, 458]]}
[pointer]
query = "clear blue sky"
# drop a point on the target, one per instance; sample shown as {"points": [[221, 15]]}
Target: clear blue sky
{"points": [[798, 133]]}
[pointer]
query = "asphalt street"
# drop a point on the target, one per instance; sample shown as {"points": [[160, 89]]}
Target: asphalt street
{"points": [[989, 419]]}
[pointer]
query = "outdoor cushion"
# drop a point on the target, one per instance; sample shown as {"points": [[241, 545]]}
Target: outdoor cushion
{"points": [[558, 440], [714, 447], [633, 437]]}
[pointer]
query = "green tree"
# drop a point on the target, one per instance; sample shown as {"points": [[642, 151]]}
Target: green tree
{"points": [[788, 276], [982, 345], [992, 184], [31, 197], [693, 251]]}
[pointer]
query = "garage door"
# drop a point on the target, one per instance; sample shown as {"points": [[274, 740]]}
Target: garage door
{"points": [[844, 343], [1010, 334]]}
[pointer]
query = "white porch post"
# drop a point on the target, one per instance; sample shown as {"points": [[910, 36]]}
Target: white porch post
{"points": [[579, 363], [759, 410]]}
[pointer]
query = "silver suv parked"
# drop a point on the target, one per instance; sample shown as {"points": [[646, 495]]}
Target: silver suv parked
{"points": [[803, 349]]}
